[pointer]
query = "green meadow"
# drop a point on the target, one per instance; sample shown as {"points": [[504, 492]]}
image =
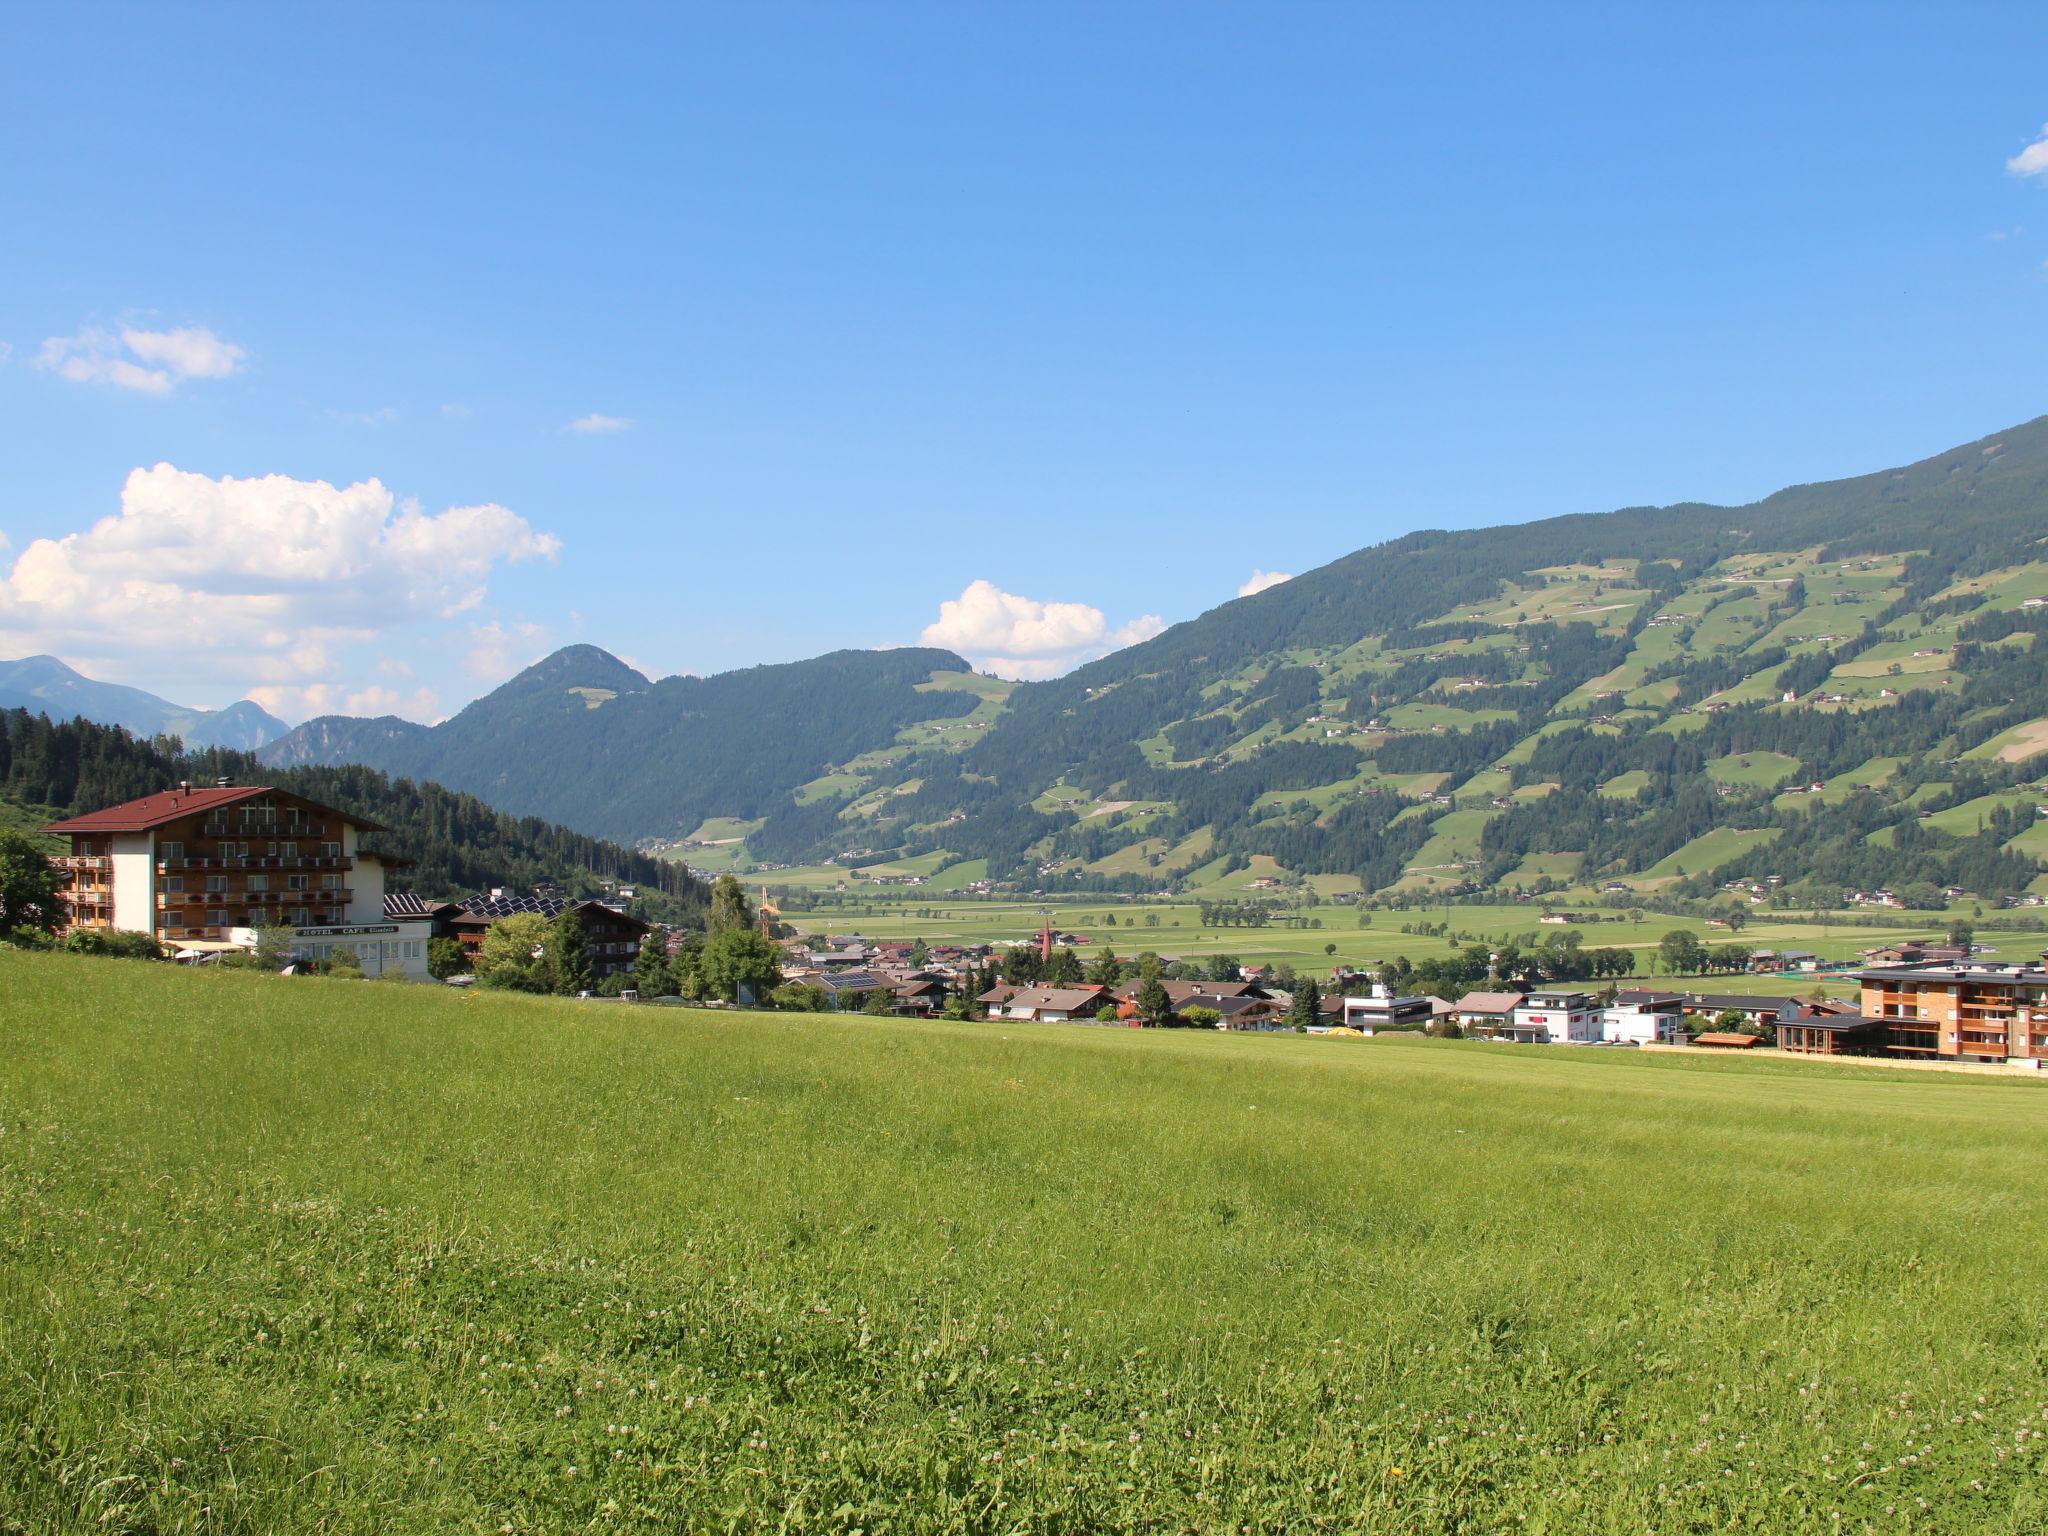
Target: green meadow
{"points": [[283, 1255]]}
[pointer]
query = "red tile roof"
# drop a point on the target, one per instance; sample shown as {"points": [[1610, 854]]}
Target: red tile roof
{"points": [[173, 804]]}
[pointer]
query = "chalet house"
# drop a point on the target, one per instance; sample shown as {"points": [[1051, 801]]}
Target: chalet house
{"points": [[1046, 1005], [1917, 952], [921, 997], [1643, 1018], [1179, 994], [612, 937], [1563, 1017], [200, 869]]}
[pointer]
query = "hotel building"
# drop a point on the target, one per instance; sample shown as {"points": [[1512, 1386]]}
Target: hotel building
{"points": [[200, 868]]}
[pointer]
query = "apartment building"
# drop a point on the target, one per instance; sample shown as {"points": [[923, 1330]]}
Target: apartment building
{"points": [[1965, 1011], [200, 868]]}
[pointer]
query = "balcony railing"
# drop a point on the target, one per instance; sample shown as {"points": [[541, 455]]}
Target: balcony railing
{"points": [[256, 861], [262, 829], [83, 861]]}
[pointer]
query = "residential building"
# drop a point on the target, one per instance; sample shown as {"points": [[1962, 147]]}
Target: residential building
{"points": [[1380, 1009], [1563, 1017], [202, 868], [1046, 1005], [1486, 1012], [1961, 1012], [611, 938], [1643, 1018]]}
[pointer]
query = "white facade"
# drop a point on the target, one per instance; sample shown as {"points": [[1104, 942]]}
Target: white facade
{"points": [[1562, 1018], [132, 871], [1638, 1025]]}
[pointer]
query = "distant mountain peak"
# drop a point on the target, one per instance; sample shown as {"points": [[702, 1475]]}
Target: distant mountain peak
{"points": [[580, 666], [48, 685]]}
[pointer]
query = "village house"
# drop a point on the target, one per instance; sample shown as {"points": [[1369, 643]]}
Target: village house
{"points": [[202, 868], [1045, 1005], [1486, 1012], [611, 938]]}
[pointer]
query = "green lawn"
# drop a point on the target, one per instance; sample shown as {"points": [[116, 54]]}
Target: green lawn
{"points": [[288, 1256], [1753, 770]]}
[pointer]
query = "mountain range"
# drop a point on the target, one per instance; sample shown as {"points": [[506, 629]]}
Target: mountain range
{"points": [[1830, 689], [49, 687]]}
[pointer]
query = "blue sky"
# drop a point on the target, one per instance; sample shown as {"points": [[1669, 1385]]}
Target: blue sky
{"points": [[1074, 316]]}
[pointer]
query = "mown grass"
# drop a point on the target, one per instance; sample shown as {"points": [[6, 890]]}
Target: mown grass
{"points": [[286, 1255]]}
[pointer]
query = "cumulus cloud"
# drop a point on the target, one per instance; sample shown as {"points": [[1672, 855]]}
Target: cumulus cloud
{"points": [[498, 650], [1022, 637], [261, 579], [595, 425], [2033, 160], [1260, 580], [148, 362]]}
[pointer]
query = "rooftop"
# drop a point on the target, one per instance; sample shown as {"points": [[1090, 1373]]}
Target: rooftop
{"points": [[169, 805]]}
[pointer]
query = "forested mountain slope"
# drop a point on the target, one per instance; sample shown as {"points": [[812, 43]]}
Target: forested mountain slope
{"points": [[1833, 688], [582, 738], [458, 845]]}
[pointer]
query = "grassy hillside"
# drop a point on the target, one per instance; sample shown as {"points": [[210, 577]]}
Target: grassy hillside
{"points": [[1551, 707], [272, 1262]]}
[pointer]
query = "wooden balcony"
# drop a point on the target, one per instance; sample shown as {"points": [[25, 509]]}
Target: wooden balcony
{"points": [[83, 861]]}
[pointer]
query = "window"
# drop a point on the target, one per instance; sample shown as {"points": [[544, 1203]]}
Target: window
{"points": [[330, 882], [259, 883], [295, 882], [216, 919], [299, 917], [289, 850], [216, 885], [170, 850], [174, 884]]}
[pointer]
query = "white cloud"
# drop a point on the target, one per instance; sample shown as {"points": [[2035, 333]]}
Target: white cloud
{"points": [[383, 416], [1022, 637], [1261, 580], [148, 362], [498, 650], [2033, 160], [455, 410], [257, 580], [594, 424]]}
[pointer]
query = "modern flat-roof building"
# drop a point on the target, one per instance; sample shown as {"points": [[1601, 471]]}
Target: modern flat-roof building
{"points": [[200, 868], [1380, 1009], [1638, 1017], [1564, 1017], [1960, 1011]]}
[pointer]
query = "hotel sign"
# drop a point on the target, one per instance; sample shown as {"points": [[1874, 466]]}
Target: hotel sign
{"points": [[346, 933]]}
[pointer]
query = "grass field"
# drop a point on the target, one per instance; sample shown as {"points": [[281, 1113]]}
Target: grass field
{"points": [[302, 1255]]}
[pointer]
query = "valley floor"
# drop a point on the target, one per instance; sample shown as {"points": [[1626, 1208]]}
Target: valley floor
{"points": [[292, 1255]]}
